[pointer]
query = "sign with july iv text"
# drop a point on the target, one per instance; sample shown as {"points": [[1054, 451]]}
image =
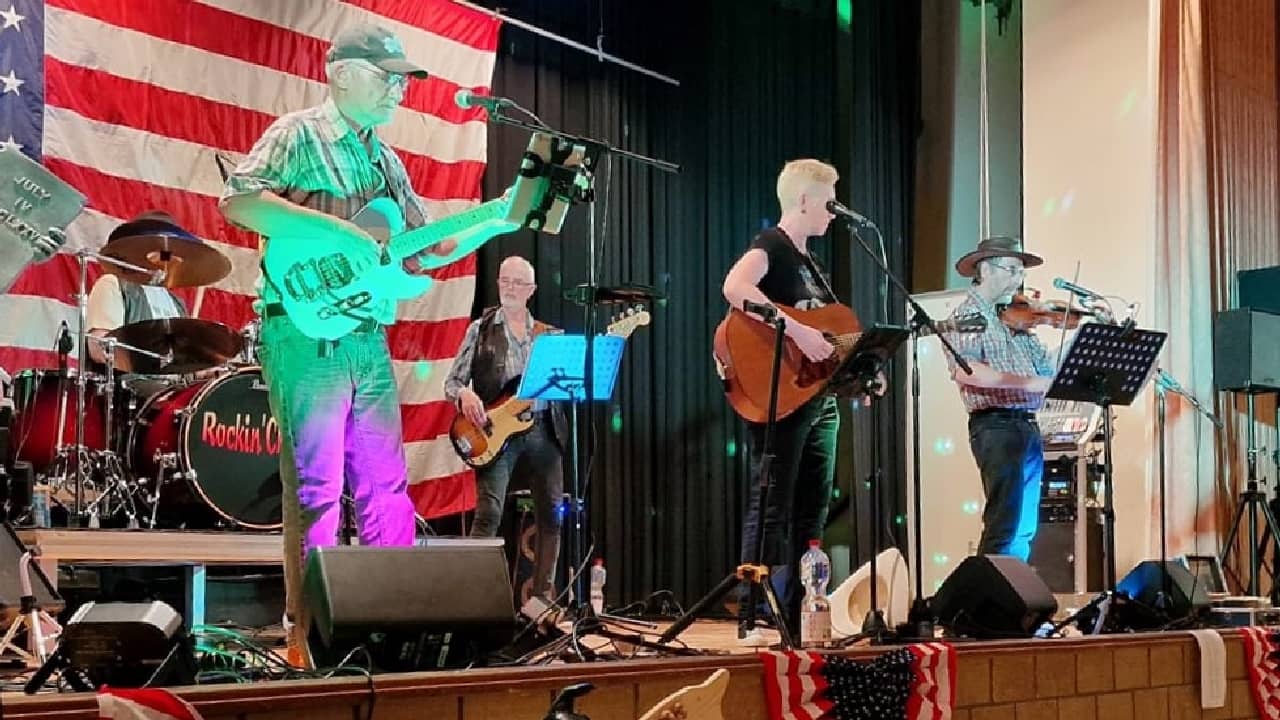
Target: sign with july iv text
{"points": [[32, 200]]}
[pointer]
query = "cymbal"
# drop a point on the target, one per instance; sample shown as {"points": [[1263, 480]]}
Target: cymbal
{"points": [[188, 345], [184, 262]]}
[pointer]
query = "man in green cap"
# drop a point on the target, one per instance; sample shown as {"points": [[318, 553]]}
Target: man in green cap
{"points": [[335, 400]]}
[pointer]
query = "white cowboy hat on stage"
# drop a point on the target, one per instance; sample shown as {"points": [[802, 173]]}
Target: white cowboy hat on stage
{"points": [[851, 602]]}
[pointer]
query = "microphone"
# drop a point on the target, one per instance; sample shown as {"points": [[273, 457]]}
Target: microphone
{"points": [[65, 342], [764, 310], [467, 99], [1075, 289], [836, 208]]}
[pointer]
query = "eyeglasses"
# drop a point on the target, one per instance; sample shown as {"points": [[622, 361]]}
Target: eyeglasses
{"points": [[390, 79], [1011, 269], [514, 283]]}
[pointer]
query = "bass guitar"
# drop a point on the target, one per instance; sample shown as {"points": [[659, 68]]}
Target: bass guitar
{"points": [[326, 299], [510, 416], [743, 348]]}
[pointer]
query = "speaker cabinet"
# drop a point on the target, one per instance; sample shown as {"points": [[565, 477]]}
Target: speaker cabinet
{"points": [[412, 608], [1246, 351], [1053, 552], [994, 596], [1186, 594]]}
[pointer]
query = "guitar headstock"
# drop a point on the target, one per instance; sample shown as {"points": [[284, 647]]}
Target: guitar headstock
{"points": [[626, 322]]}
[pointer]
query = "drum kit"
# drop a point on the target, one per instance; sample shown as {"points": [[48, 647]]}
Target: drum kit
{"points": [[174, 429]]}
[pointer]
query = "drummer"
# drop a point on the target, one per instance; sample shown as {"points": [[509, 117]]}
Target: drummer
{"points": [[121, 297], [172, 257]]}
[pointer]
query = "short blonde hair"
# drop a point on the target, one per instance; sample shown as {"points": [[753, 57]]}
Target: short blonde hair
{"points": [[798, 176]]}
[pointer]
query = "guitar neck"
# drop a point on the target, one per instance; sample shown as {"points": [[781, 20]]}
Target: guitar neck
{"points": [[415, 241]]}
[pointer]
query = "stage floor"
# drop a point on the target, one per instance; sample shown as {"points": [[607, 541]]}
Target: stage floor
{"points": [[1148, 676]]}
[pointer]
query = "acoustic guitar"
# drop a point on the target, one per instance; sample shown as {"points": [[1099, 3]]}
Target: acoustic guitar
{"points": [[743, 348], [510, 416]]}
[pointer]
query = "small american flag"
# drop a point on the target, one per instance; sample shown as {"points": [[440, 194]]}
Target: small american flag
{"points": [[143, 704], [1261, 652], [914, 683], [131, 101]]}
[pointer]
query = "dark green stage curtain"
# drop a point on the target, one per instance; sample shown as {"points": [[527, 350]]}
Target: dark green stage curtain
{"points": [[763, 81]]}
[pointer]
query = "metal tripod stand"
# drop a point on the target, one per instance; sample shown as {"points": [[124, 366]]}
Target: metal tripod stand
{"points": [[1252, 501]]}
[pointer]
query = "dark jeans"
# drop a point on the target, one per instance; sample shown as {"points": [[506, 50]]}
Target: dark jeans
{"points": [[1011, 460], [804, 466], [542, 455]]}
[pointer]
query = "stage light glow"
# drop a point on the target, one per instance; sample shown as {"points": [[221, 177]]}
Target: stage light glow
{"points": [[615, 422], [731, 448], [422, 370], [944, 446], [971, 507], [940, 559], [1050, 207]]}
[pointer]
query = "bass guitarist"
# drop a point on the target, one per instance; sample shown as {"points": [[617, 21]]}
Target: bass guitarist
{"points": [[493, 355], [335, 398], [778, 269]]}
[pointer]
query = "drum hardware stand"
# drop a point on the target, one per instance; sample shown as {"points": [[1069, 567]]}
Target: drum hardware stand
{"points": [[82, 454], [32, 617]]}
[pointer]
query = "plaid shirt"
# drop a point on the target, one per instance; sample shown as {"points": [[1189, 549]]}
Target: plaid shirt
{"points": [[1003, 351], [314, 158]]}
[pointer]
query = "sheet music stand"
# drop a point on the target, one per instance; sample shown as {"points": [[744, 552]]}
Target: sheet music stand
{"points": [[1106, 365], [555, 372], [875, 347]]}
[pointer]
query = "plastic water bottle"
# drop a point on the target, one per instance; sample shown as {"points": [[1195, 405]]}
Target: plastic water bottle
{"points": [[815, 612], [40, 506], [597, 586]]}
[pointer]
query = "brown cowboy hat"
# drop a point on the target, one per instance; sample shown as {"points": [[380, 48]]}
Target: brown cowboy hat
{"points": [[993, 247]]}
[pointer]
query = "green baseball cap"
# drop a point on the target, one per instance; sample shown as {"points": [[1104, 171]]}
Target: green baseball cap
{"points": [[375, 44]]}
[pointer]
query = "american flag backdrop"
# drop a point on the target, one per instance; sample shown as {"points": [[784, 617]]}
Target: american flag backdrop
{"points": [[1262, 657], [130, 101]]}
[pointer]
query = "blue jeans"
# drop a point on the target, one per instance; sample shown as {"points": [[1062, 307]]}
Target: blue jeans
{"points": [[540, 451], [804, 467], [339, 417], [1011, 460]]}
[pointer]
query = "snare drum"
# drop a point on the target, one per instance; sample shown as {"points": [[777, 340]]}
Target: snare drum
{"points": [[44, 419], [218, 448]]}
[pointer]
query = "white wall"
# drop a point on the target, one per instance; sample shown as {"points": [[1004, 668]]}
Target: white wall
{"points": [[1089, 189]]}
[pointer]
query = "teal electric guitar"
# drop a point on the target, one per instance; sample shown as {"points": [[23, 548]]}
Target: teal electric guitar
{"points": [[326, 299]]}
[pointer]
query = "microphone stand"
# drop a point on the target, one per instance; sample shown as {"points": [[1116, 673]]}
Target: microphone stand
{"points": [[580, 188], [1166, 383], [920, 618]]}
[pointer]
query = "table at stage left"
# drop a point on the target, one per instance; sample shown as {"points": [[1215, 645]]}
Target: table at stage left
{"points": [[192, 550]]}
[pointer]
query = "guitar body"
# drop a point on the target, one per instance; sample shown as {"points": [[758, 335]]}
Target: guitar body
{"points": [[509, 417], [744, 348], [326, 300]]}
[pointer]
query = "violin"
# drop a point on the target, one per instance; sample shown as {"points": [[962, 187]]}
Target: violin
{"points": [[1027, 311]]}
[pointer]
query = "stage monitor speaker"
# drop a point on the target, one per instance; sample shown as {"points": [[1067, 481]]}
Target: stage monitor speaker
{"points": [[994, 596], [411, 608], [1188, 596], [1260, 288], [1246, 351], [125, 645]]}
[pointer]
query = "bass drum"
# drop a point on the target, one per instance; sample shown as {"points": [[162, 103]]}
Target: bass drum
{"points": [[218, 448]]}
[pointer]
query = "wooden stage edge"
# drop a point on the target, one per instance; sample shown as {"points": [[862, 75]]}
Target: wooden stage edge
{"points": [[1149, 676]]}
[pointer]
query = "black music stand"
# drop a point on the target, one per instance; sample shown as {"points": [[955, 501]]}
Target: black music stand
{"points": [[1106, 365], [876, 346], [555, 373]]}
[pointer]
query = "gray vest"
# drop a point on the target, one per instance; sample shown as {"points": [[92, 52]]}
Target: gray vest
{"points": [[136, 307]]}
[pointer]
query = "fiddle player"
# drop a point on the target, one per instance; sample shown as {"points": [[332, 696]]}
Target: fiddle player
{"points": [[1011, 374]]}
